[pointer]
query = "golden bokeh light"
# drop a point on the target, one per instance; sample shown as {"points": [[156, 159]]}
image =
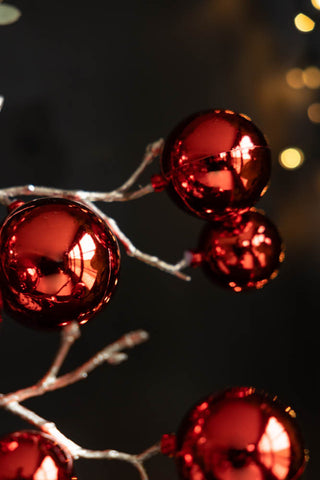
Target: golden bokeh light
{"points": [[294, 78], [304, 23], [291, 158], [311, 77], [314, 112], [316, 4]]}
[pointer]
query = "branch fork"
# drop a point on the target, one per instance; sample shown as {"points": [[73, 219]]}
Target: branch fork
{"points": [[122, 193], [112, 354]]}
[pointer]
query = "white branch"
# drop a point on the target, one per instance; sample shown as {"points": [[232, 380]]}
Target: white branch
{"points": [[70, 333], [76, 450], [112, 354], [121, 194], [153, 150], [132, 251], [6, 194]]}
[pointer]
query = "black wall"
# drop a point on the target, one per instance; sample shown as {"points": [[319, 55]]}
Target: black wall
{"points": [[87, 85]]}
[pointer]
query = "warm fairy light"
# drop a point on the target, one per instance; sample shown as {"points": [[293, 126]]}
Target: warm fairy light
{"points": [[304, 23], [291, 158], [316, 4], [294, 78], [311, 77], [314, 112]]}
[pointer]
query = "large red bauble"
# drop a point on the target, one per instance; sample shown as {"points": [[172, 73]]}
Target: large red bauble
{"points": [[244, 254], [214, 162], [59, 262], [240, 434], [31, 455]]}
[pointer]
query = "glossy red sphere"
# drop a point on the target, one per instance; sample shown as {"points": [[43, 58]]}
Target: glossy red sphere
{"points": [[214, 162], [59, 262], [244, 254], [240, 434], [31, 455]]}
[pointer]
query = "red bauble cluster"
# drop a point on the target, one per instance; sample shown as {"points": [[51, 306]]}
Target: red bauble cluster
{"points": [[216, 162], [32, 455], [239, 434], [59, 263], [216, 165]]}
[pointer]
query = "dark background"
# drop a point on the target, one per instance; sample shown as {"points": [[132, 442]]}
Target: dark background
{"points": [[87, 85]]}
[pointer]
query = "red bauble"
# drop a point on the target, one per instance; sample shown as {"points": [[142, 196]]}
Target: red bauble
{"points": [[214, 162], [32, 455], [240, 434], [59, 263], [243, 254]]}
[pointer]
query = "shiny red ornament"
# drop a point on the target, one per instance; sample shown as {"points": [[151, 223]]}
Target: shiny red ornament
{"points": [[31, 455], [215, 162], [59, 262], [240, 434], [244, 254]]}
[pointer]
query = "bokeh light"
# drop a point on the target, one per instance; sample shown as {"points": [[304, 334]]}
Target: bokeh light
{"points": [[304, 23], [294, 78], [291, 158], [314, 112], [316, 4], [311, 77]]}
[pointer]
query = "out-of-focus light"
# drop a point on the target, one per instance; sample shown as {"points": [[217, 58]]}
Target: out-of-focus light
{"points": [[304, 23], [316, 4], [291, 158], [311, 77], [294, 78], [1, 102], [314, 112]]}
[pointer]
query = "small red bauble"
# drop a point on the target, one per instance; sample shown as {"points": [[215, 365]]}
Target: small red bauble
{"points": [[32, 455], [240, 434], [214, 162], [243, 254], [59, 262]]}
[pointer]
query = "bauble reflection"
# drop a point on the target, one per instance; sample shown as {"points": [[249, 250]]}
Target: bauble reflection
{"points": [[31, 455], [59, 263], [215, 162], [240, 434], [243, 254]]}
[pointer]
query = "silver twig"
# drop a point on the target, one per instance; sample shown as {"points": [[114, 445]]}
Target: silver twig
{"points": [[121, 194], [153, 150], [132, 251], [113, 354], [76, 450]]}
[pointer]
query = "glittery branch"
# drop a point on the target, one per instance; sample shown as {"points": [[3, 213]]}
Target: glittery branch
{"points": [[76, 450], [113, 354], [132, 251], [121, 194]]}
